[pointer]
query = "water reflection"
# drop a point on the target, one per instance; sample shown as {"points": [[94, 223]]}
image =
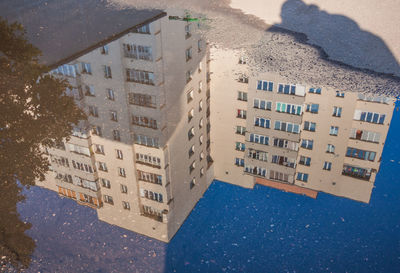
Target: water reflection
{"points": [[146, 94], [297, 137], [34, 113], [147, 153], [145, 120]]}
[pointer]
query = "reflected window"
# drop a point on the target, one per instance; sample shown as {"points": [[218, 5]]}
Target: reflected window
{"points": [[360, 154], [105, 183], [243, 78], [240, 130], [191, 133], [309, 126], [97, 131], [287, 127], [86, 68], [145, 29], [199, 45], [119, 154], [262, 104], [239, 162], [274, 175], [188, 54], [192, 167], [121, 172], [334, 131], [259, 155], [307, 144], [190, 95], [255, 170], [302, 177], [189, 76], [102, 166], [370, 117], [293, 109], [304, 160], [110, 94], [265, 85], [287, 89], [261, 139], [240, 146], [108, 199], [191, 151], [104, 50], [188, 31], [312, 108], [356, 172], [192, 183], [140, 76], [146, 140], [340, 94], [315, 90], [241, 114], [284, 143], [190, 114], [89, 90], [107, 72], [116, 135], [337, 111], [142, 100], [262, 122], [330, 148], [99, 149], [124, 189], [327, 166], [113, 116], [126, 205], [365, 135], [93, 111], [242, 96]]}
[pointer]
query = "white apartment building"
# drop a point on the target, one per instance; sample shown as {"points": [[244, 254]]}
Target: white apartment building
{"points": [[143, 157]]}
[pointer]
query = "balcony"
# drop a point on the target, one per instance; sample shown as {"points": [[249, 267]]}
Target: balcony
{"points": [[191, 152], [210, 161], [357, 172], [365, 178]]}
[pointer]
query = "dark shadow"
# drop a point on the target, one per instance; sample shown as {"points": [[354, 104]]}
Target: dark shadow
{"points": [[341, 37]]}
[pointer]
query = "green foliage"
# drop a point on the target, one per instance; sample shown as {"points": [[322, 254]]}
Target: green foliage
{"points": [[35, 112], [34, 109]]}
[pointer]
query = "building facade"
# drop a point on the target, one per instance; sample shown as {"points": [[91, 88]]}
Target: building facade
{"points": [[142, 159], [295, 136], [147, 153]]}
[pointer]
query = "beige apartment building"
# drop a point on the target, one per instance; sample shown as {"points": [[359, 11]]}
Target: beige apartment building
{"points": [[294, 136], [146, 154], [143, 157]]}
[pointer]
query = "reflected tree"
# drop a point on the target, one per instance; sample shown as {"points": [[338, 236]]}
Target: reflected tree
{"points": [[35, 112]]}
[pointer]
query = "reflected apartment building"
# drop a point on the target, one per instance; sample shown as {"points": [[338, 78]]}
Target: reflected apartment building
{"points": [[295, 136], [146, 154], [142, 159]]}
